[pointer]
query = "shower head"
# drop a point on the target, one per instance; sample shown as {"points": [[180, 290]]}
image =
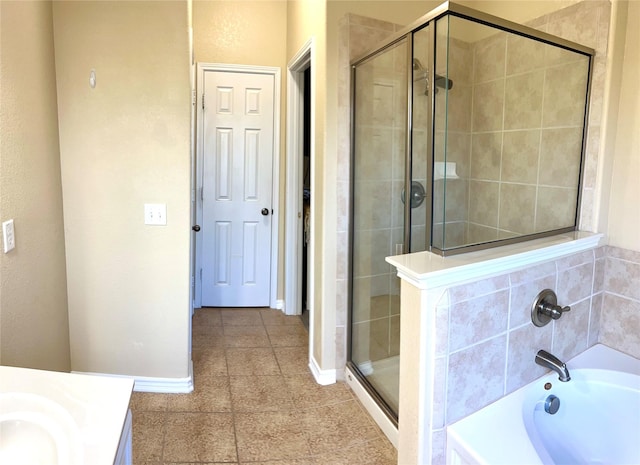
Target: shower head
{"points": [[421, 74]]}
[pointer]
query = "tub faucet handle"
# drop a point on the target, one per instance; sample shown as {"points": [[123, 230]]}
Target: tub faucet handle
{"points": [[554, 311], [545, 308]]}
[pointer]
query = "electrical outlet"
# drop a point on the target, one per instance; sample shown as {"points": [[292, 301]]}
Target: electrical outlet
{"points": [[155, 214], [8, 236]]}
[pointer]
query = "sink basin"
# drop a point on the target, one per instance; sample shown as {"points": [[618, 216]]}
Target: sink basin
{"points": [[49, 417], [36, 430]]}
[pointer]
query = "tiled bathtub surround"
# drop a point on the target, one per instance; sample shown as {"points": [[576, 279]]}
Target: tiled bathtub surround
{"points": [[620, 324], [485, 342]]}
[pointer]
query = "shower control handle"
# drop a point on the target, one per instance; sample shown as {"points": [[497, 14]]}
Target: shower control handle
{"points": [[545, 308]]}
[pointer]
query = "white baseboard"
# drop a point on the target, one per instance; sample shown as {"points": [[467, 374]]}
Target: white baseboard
{"points": [[152, 384], [279, 304], [390, 430], [323, 377]]}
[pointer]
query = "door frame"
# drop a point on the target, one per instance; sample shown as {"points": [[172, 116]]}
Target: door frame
{"points": [[275, 180], [304, 59]]}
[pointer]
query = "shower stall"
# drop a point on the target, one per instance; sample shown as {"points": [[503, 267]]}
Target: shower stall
{"points": [[468, 132]]}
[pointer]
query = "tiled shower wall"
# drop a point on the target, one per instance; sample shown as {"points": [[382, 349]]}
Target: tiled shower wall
{"points": [[511, 124], [380, 133], [378, 291], [526, 127], [586, 23]]}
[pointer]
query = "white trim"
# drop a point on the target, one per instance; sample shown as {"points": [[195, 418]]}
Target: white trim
{"points": [[388, 428], [124, 453], [323, 377], [275, 194], [279, 305], [426, 270], [152, 384], [293, 221]]}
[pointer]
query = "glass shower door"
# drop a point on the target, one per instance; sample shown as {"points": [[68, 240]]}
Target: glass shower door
{"points": [[380, 134]]}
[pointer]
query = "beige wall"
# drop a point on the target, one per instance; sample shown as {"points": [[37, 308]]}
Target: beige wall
{"points": [[306, 20], [519, 11], [123, 144], [248, 33], [624, 208], [245, 32], [33, 311]]}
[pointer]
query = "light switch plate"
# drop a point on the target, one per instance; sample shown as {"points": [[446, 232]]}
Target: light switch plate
{"points": [[155, 214], [8, 236]]}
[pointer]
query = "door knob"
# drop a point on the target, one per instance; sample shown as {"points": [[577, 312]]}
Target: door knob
{"points": [[196, 228], [265, 211]]}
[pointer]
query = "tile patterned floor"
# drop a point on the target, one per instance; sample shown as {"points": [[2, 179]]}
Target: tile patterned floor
{"points": [[254, 402]]}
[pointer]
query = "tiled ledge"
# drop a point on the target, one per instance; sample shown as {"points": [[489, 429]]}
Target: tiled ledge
{"points": [[426, 270]]}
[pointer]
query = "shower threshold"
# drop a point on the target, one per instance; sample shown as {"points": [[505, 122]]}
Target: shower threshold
{"points": [[388, 427]]}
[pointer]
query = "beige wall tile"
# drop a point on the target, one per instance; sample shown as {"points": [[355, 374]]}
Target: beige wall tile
{"points": [[473, 320], [530, 274], [379, 339], [523, 296], [622, 277], [564, 91], [488, 101], [489, 58], [574, 260], [621, 324], [519, 47], [524, 343], [523, 100], [580, 26], [456, 204], [517, 208], [486, 153], [483, 202], [555, 208], [595, 320], [394, 335], [478, 288], [458, 112], [560, 157], [575, 284], [571, 331], [477, 233], [455, 234], [520, 156], [473, 379]]}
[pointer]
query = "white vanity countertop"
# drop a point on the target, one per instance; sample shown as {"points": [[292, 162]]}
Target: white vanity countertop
{"points": [[86, 411], [427, 270]]}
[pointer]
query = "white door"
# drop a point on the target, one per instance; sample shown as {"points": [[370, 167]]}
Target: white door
{"points": [[238, 132]]}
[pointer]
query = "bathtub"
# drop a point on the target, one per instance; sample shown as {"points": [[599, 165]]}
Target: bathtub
{"points": [[597, 422]]}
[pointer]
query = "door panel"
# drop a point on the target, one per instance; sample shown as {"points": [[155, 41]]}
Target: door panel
{"points": [[238, 125]]}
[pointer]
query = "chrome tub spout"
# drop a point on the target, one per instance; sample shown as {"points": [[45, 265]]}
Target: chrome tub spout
{"points": [[547, 360]]}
